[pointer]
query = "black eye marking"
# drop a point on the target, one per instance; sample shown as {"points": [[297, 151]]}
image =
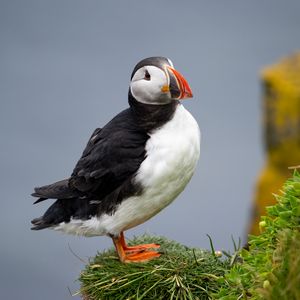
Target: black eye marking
{"points": [[147, 75]]}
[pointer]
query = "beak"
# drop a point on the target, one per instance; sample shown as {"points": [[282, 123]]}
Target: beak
{"points": [[178, 86]]}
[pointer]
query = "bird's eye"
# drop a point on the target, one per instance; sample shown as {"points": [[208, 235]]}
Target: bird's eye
{"points": [[147, 75]]}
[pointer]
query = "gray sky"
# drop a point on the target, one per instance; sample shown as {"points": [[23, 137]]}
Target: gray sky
{"points": [[64, 70]]}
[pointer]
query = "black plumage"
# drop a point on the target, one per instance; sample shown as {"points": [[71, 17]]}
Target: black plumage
{"points": [[104, 175]]}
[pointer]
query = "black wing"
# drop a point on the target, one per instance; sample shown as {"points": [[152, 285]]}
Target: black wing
{"points": [[61, 189], [111, 157], [102, 178]]}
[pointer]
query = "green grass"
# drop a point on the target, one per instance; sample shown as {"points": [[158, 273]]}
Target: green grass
{"points": [[270, 269]]}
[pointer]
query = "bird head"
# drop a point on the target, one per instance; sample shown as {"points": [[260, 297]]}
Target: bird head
{"points": [[155, 81]]}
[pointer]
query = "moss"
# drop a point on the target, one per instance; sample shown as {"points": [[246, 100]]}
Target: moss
{"points": [[285, 277], [283, 79]]}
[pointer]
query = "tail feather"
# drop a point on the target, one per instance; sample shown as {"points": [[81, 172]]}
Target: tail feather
{"points": [[63, 211], [60, 211], [39, 223], [39, 200], [57, 190]]}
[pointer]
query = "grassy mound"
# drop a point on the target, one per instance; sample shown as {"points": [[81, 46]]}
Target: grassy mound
{"points": [[180, 273], [270, 269]]}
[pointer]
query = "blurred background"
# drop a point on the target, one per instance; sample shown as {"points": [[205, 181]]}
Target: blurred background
{"points": [[65, 67]]}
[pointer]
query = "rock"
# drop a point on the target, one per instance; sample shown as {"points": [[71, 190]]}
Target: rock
{"points": [[281, 125]]}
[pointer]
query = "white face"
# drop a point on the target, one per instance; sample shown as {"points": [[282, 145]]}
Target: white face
{"points": [[150, 85]]}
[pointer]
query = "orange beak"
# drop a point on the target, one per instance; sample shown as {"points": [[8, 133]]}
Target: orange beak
{"points": [[180, 89]]}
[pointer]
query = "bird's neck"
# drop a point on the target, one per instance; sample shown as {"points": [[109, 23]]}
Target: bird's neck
{"points": [[149, 116]]}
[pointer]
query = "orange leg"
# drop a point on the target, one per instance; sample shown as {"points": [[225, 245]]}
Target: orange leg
{"points": [[140, 254]]}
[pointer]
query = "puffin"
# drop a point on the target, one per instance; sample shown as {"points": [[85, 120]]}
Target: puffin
{"points": [[131, 168]]}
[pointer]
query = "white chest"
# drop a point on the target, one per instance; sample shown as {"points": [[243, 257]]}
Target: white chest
{"points": [[172, 155]]}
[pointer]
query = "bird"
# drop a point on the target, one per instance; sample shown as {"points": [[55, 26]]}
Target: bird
{"points": [[131, 168]]}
